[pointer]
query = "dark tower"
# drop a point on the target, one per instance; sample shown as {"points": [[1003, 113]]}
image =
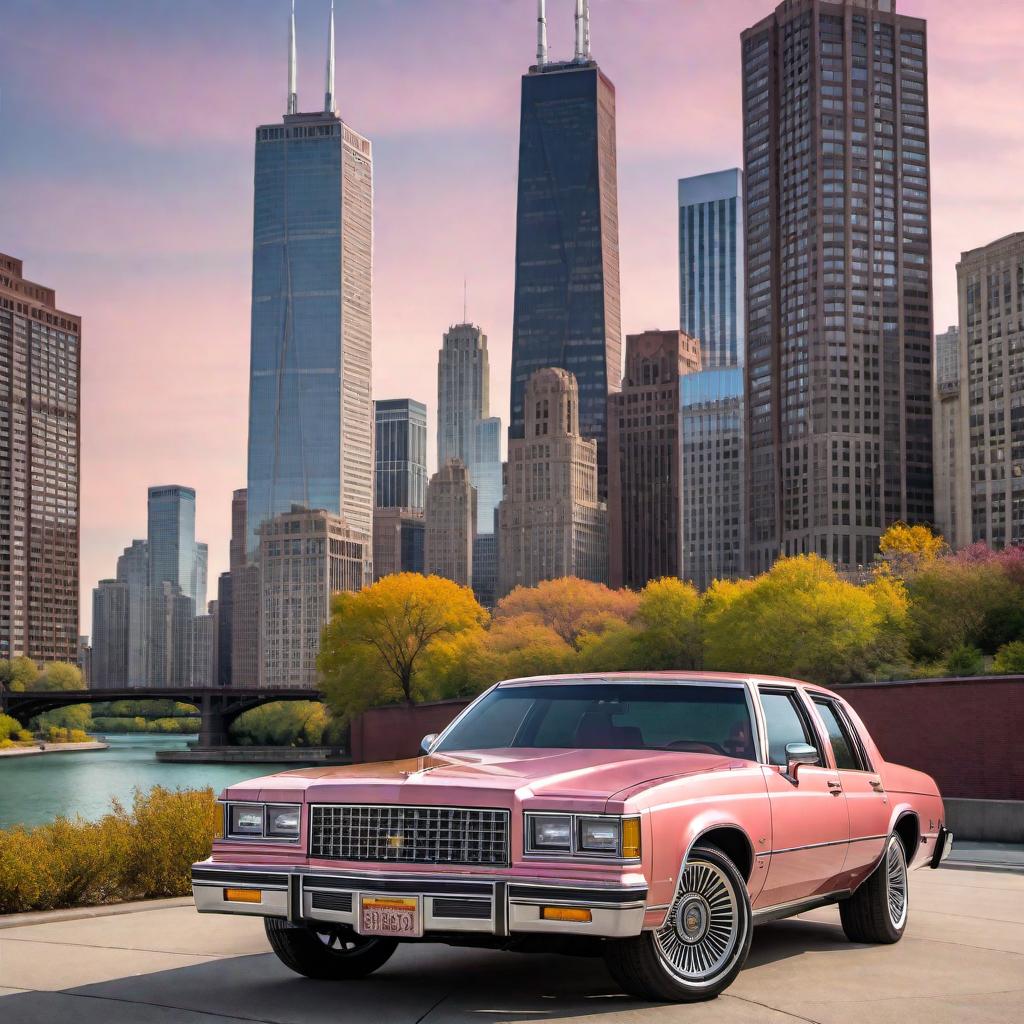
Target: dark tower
{"points": [[566, 311]]}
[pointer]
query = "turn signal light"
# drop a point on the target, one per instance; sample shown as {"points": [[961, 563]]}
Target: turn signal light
{"points": [[243, 895], [576, 914], [630, 838]]}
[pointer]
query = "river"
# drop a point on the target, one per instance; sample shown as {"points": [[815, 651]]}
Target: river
{"points": [[35, 790]]}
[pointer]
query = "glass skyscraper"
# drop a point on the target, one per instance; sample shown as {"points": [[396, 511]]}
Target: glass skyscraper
{"points": [[485, 471], [310, 410], [566, 309], [171, 533], [401, 447], [711, 265]]}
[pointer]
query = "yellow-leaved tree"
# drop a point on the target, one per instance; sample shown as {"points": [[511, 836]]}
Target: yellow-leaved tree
{"points": [[908, 548], [374, 647], [800, 619]]}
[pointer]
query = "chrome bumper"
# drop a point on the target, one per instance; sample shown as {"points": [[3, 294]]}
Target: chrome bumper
{"points": [[490, 906]]}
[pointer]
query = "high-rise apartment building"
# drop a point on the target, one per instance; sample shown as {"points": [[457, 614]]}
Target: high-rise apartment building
{"points": [[225, 622], [947, 431], [310, 410], [566, 309], [401, 453], [485, 569], [450, 519], [305, 556], [550, 521], [643, 458], [713, 524], [838, 278], [711, 264], [204, 648], [463, 391], [110, 635], [133, 572], [200, 567], [40, 367], [989, 478], [398, 540]]}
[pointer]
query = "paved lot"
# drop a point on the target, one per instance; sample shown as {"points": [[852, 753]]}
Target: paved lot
{"points": [[961, 959]]}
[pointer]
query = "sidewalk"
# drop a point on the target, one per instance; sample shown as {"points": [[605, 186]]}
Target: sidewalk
{"points": [[987, 856]]}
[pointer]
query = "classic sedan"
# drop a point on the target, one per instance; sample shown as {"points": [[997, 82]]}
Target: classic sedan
{"points": [[652, 819]]}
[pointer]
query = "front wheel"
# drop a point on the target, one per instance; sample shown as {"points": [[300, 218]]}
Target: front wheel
{"points": [[325, 952], [877, 911], [703, 943]]}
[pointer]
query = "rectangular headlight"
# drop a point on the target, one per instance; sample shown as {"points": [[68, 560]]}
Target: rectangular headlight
{"points": [[600, 835], [282, 821], [551, 832], [245, 820]]}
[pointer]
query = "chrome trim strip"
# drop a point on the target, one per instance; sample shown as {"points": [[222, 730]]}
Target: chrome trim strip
{"points": [[794, 907], [834, 842]]}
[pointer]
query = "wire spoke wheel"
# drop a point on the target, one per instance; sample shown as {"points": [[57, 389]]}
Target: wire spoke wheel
{"points": [[896, 882], [341, 943], [701, 932]]}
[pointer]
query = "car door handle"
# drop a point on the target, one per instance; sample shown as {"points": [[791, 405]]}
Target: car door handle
{"points": [[835, 788], [876, 784]]}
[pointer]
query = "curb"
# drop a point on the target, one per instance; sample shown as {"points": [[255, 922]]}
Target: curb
{"points": [[970, 865], [79, 913]]}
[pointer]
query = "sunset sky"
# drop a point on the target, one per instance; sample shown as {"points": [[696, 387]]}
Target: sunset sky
{"points": [[126, 183]]}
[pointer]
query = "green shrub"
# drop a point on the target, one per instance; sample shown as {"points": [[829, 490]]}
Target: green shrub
{"points": [[1009, 659], [965, 660], [142, 852], [9, 727]]}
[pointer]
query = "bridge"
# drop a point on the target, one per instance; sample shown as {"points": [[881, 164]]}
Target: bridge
{"points": [[218, 706]]}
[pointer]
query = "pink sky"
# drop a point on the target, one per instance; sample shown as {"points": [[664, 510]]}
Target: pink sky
{"points": [[128, 188]]}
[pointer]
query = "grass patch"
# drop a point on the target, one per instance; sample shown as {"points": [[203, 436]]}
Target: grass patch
{"points": [[142, 852]]}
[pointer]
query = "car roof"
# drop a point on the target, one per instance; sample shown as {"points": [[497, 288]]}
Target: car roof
{"points": [[641, 677]]}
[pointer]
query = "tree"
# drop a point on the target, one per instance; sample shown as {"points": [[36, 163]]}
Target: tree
{"points": [[18, 674], [60, 675], [798, 619], [570, 607], [1009, 659], [965, 661], [374, 646], [907, 548]]}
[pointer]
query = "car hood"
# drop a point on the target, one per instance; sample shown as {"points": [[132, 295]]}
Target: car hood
{"points": [[488, 778]]}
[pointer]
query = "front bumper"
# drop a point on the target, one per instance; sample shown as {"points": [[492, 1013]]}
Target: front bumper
{"points": [[498, 906]]}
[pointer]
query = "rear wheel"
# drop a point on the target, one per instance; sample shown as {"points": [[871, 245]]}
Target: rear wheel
{"points": [[704, 942], [877, 911], [328, 953]]}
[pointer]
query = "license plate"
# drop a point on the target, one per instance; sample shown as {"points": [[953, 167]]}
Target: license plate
{"points": [[398, 916]]}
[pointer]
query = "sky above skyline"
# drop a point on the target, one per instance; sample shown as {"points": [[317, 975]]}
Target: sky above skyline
{"points": [[126, 167]]}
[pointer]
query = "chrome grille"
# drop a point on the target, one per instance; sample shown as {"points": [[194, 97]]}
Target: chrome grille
{"points": [[409, 835]]}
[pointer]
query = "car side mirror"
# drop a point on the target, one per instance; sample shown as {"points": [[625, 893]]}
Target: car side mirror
{"points": [[427, 742], [798, 754]]}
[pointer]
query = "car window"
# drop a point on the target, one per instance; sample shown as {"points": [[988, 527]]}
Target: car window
{"points": [[785, 724], [628, 716], [844, 747]]}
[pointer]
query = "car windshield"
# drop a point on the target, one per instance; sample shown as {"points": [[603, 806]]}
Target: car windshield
{"points": [[692, 717]]}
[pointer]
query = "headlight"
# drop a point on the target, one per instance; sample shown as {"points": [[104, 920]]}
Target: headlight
{"points": [[245, 820], [551, 832], [282, 822], [264, 821], [600, 835], [583, 835]]}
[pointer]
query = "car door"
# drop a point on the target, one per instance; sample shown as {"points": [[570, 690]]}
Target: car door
{"points": [[866, 800], [810, 824]]}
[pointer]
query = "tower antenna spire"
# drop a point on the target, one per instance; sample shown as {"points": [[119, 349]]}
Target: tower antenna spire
{"points": [[542, 34], [586, 29], [578, 37], [329, 90], [293, 97]]}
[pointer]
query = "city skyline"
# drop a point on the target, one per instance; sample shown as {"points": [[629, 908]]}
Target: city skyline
{"points": [[138, 233]]}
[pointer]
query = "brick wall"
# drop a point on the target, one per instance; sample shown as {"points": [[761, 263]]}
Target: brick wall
{"points": [[965, 733], [393, 732]]}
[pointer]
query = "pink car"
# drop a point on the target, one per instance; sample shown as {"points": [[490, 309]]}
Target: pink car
{"points": [[653, 819]]}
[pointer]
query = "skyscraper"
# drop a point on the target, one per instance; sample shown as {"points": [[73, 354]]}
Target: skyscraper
{"points": [[398, 540], [171, 533], [245, 599], [485, 471], [463, 391], [838, 278], [401, 452], [310, 411], [40, 365], [133, 572], [711, 264], [989, 478], [643, 458], [110, 635], [550, 521], [566, 309], [450, 524]]}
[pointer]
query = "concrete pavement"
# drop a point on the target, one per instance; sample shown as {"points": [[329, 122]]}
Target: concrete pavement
{"points": [[962, 958]]}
